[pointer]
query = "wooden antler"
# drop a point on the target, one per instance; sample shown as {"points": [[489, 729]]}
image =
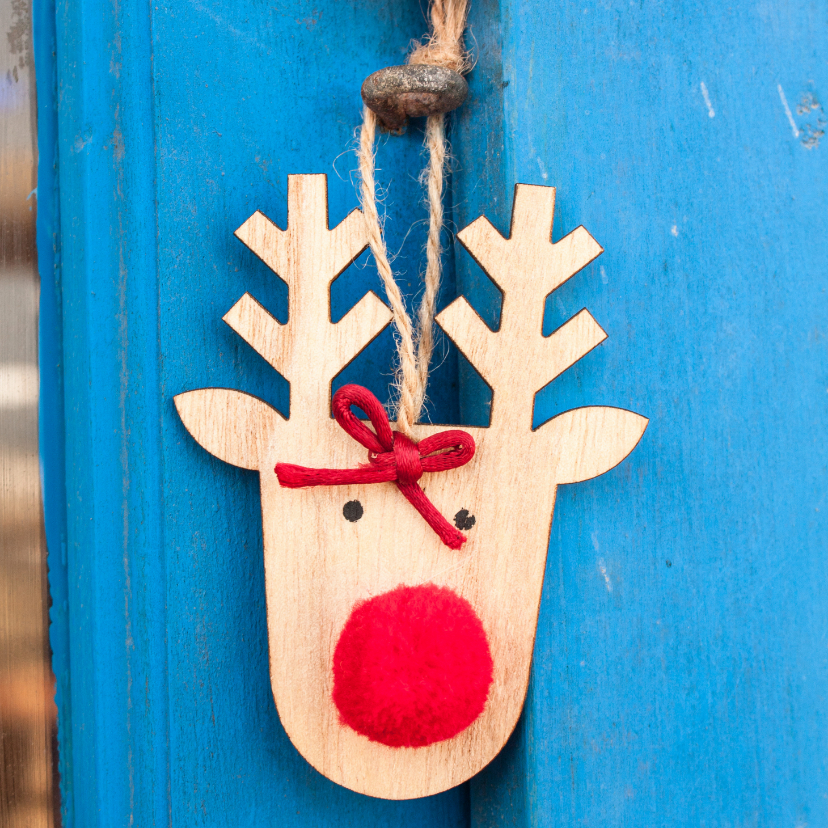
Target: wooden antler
{"points": [[309, 350], [517, 360]]}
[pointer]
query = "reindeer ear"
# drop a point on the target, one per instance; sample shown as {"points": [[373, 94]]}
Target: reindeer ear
{"points": [[590, 441], [232, 426]]}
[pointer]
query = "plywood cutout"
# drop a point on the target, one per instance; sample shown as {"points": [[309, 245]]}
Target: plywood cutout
{"points": [[318, 565]]}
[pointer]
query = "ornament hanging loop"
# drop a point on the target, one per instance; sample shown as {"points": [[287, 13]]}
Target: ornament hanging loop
{"points": [[398, 93], [431, 84]]}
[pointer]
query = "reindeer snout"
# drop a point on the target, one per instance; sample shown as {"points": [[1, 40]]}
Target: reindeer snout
{"points": [[412, 667]]}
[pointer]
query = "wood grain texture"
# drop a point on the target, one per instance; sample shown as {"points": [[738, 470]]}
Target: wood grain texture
{"points": [[318, 565], [310, 350], [233, 426]]}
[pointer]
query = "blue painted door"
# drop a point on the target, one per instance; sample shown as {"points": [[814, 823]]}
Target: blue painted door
{"points": [[681, 669]]}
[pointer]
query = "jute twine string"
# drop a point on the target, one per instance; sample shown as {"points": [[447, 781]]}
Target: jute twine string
{"points": [[443, 47]]}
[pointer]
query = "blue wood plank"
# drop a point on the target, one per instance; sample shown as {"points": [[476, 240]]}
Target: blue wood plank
{"points": [[680, 668], [175, 123], [114, 719], [279, 95]]}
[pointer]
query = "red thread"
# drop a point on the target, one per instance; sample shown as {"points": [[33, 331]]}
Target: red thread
{"points": [[392, 457]]}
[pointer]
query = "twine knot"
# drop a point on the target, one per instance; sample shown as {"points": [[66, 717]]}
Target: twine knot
{"points": [[392, 458]]}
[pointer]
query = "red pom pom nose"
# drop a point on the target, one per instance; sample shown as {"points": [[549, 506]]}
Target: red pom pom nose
{"points": [[412, 667]]}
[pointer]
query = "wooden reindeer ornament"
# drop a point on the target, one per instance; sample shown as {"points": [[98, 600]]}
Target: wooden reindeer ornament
{"points": [[399, 665]]}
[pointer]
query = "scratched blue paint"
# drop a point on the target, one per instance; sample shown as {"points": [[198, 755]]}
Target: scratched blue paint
{"points": [[680, 663], [51, 430], [681, 670], [175, 124]]}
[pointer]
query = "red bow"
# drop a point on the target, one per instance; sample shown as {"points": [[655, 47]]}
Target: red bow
{"points": [[391, 457]]}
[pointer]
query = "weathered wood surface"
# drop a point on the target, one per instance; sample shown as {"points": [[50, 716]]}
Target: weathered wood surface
{"points": [[679, 673]]}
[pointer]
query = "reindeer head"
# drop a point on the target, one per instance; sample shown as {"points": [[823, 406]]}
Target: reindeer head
{"points": [[320, 563]]}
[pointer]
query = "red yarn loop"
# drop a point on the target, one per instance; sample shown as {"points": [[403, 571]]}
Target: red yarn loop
{"points": [[392, 457]]}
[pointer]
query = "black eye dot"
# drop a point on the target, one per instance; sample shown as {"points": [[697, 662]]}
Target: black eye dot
{"points": [[352, 510], [463, 520]]}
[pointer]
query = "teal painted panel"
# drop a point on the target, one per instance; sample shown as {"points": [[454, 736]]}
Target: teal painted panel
{"points": [[681, 672], [174, 123], [278, 96]]}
